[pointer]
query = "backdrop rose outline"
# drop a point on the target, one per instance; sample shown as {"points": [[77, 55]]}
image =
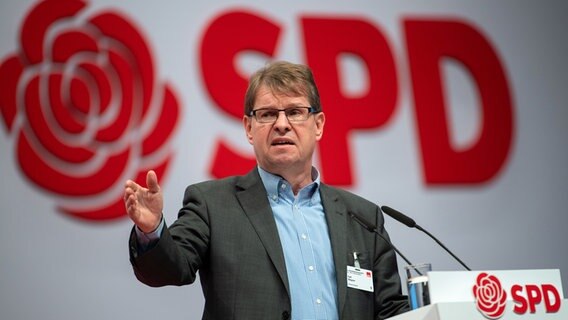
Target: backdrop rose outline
{"points": [[81, 100]]}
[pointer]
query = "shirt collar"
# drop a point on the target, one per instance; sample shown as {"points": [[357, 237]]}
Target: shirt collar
{"points": [[273, 183]]}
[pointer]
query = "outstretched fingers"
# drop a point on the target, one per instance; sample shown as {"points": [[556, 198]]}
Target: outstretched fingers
{"points": [[131, 197], [144, 205]]}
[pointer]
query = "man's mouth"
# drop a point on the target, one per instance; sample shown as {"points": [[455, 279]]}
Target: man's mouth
{"points": [[282, 142]]}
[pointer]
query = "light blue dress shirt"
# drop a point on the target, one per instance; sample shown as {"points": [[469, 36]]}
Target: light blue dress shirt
{"points": [[304, 235]]}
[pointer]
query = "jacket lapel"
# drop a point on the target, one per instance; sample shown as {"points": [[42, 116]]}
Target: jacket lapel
{"points": [[336, 215], [254, 201]]}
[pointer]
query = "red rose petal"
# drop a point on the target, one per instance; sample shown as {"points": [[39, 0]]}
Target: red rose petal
{"points": [[109, 212], [10, 72], [39, 19], [80, 97], [67, 44], [119, 125], [59, 181], [68, 120], [228, 161], [165, 125]]}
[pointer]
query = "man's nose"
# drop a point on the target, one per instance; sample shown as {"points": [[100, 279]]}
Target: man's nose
{"points": [[282, 120]]}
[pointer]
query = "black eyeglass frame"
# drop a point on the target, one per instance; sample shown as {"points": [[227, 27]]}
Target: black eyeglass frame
{"points": [[311, 110]]}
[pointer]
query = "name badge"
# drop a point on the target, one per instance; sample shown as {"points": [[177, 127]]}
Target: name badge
{"points": [[361, 279]]}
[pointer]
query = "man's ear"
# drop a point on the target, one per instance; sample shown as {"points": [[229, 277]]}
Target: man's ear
{"points": [[320, 123], [247, 123]]}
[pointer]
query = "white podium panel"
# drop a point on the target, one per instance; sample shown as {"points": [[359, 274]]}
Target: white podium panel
{"points": [[498, 294], [467, 311], [457, 286]]}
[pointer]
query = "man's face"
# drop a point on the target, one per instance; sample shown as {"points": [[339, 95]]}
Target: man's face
{"points": [[283, 146]]}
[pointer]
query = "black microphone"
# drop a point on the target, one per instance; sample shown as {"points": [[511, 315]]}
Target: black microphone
{"points": [[409, 222], [369, 226]]}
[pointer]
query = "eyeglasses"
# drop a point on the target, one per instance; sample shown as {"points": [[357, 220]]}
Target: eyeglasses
{"points": [[270, 115]]}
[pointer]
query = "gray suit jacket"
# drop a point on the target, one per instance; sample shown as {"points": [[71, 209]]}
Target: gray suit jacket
{"points": [[226, 230]]}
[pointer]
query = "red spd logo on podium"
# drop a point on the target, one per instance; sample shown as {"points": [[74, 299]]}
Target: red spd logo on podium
{"points": [[546, 294], [490, 297]]}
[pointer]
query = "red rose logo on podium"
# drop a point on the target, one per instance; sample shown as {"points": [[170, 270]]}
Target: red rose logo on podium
{"points": [[81, 101], [490, 297]]}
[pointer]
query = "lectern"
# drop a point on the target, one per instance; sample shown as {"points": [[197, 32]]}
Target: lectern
{"points": [[498, 294]]}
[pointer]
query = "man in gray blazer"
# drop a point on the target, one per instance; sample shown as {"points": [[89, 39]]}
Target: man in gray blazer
{"points": [[276, 243]]}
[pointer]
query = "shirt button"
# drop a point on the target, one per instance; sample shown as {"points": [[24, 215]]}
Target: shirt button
{"points": [[304, 236], [311, 268], [274, 197], [318, 301], [283, 186]]}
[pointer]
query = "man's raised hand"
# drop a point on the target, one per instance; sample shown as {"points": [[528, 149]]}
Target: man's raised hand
{"points": [[144, 205]]}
